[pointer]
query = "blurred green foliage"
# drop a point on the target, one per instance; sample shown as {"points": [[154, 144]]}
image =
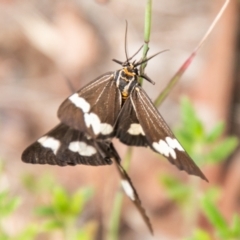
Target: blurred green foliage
{"points": [[205, 148], [8, 205], [61, 214]]}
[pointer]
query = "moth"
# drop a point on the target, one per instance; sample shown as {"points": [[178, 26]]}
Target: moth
{"points": [[113, 105]]}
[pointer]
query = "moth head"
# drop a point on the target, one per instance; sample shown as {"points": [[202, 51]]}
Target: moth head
{"points": [[128, 66], [131, 68]]}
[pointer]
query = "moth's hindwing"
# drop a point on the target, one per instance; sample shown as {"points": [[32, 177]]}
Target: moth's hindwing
{"points": [[159, 135], [128, 187], [94, 108], [127, 128], [132, 194], [65, 146]]}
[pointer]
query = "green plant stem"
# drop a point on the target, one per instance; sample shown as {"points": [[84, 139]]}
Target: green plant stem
{"points": [[162, 96], [186, 64], [147, 33], [127, 158], [69, 232], [112, 233], [191, 211]]}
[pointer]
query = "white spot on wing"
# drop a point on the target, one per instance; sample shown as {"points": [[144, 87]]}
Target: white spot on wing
{"points": [[128, 189], [80, 102], [163, 148], [135, 129], [50, 142], [167, 147], [106, 128], [173, 143], [91, 119], [82, 148]]}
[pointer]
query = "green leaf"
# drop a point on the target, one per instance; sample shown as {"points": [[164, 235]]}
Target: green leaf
{"points": [[30, 182], [29, 233], [200, 234], [79, 199], [190, 121], [235, 229], [4, 236], [38, 185], [3, 196], [222, 150], [214, 216], [8, 204], [52, 225], [215, 133], [45, 211], [12, 205], [83, 235], [185, 138], [176, 190], [187, 110], [88, 232], [61, 200]]}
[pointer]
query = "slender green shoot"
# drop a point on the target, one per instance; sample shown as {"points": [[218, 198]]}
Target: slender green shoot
{"points": [[147, 33]]}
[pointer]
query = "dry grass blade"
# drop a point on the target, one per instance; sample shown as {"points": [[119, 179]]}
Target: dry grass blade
{"points": [[186, 64]]}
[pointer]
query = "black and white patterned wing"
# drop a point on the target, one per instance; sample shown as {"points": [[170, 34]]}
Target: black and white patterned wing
{"points": [[132, 194], [128, 187], [127, 128], [94, 108], [65, 146], [159, 135]]}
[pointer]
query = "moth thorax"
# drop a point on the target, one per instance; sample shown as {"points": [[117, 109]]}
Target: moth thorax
{"points": [[129, 71], [125, 81], [125, 95]]}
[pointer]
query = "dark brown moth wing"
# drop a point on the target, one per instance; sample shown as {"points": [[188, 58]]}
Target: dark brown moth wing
{"points": [[94, 108], [65, 146], [159, 135], [127, 128], [131, 192], [128, 187]]}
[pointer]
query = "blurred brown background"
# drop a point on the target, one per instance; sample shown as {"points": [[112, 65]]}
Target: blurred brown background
{"points": [[44, 42]]}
